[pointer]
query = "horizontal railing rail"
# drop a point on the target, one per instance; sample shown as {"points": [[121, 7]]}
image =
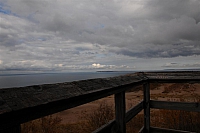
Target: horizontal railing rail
{"points": [[19, 105], [185, 106]]}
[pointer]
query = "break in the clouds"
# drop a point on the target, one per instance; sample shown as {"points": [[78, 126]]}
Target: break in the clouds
{"points": [[72, 35]]}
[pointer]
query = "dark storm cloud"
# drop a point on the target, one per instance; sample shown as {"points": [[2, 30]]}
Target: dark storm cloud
{"points": [[120, 23], [170, 9]]}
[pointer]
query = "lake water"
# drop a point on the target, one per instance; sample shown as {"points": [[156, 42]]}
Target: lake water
{"points": [[17, 80]]}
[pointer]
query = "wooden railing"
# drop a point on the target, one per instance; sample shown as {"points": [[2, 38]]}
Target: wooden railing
{"points": [[19, 105]]}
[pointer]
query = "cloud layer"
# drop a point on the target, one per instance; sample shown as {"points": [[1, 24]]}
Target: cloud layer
{"points": [[71, 34]]}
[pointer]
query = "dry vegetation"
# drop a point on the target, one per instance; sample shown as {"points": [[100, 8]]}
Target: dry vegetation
{"points": [[47, 124], [88, 122]]}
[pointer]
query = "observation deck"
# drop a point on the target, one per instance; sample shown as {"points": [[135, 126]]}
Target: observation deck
{"points": [[23, 104]]}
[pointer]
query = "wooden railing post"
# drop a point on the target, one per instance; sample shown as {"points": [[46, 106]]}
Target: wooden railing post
{"points": [[120, 110], [146, 90]]}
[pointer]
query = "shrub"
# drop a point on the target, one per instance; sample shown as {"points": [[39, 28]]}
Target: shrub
{"points": [[103, 114], [100, 116]]}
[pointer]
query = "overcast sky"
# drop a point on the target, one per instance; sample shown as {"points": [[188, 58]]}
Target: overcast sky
{"points": [[91, 35]]}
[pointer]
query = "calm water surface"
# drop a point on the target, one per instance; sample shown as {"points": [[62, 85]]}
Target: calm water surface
{"points": [[8, 81]]}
